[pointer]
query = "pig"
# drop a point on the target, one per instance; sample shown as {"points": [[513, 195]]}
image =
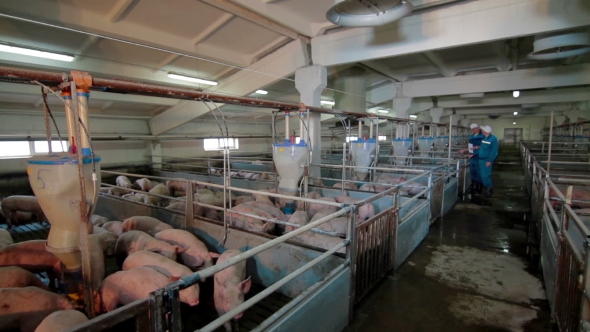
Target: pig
{"points": [[61, 321], [124, 287], [211, 214], [347, 185], [104, 190], [214, 171], [196, 255], [118, 191], [167, 267], [210, 199], [108, 240], [318, 240], [14, 276], [364, 212], [132, 241], [115, 227], [300, 218], [123, 181], [315, 207], [204, 191], [13, 204], [367, 187], [134, 198], [278, 214], [5, 238], [219, 194], [146, 224], [335, 225], [158, 190], [26, 307], [404, 191], [230, 286], [198, 210], [97, 220], [251, 223], [31, 256], [144, 184], [175, 186], [312, 195]]}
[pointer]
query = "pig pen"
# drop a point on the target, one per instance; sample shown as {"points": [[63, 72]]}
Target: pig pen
{"points": [[302, 299], [558, 233]]}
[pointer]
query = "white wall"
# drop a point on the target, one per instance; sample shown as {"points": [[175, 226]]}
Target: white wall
{"points": [[531, 125]]}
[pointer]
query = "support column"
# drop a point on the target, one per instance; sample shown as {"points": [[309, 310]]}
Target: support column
{"points": [[155, 148], [401, 106], [310, 82], [351, 93], [436, 114]]}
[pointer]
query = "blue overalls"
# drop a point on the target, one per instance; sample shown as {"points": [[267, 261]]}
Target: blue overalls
{"points": [[475, 141], [487, 153]]}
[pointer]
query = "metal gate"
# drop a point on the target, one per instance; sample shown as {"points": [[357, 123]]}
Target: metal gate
{"points": [[512, 135], [436, 198], [568, 296], [375, 250]]}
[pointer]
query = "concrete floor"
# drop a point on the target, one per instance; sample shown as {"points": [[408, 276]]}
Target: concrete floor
{"points": [[469, 274]]}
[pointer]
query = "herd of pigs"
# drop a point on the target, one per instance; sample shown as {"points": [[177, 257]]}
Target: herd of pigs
{"points": [[149, 252]]}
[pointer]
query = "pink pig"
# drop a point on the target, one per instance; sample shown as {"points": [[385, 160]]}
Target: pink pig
{"points": [[133, 241], [196, 255], [145, 224], [230, 286]]}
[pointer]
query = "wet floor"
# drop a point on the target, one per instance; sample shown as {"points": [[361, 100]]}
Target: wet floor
{"points": [[470, 273]]}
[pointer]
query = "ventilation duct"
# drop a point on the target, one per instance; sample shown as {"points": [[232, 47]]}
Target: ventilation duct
{"points": [[560, 46], [367, 13]]}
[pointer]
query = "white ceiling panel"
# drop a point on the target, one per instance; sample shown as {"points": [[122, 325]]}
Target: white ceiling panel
{"points": [[241, 36]]}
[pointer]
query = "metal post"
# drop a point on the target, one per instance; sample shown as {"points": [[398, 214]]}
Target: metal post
{"points": [[343, 165], [450, 135], [190, 213], [442, 206], [550, 143], [351, 252], [287, 119], [226, 176], [84, 249]]}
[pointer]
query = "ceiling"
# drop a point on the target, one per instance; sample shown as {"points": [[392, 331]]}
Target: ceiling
{"points": [[218, 39]]}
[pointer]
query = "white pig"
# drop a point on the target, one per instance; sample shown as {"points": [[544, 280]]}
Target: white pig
{"points": [[230, 286]]}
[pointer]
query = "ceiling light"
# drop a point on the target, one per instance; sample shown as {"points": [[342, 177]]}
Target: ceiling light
{"points": [[261, 92], [516, 94], [513, 122], [327, 102], [36, 53], [413, 116], [515, 113], [191, 79], [382, 111]]}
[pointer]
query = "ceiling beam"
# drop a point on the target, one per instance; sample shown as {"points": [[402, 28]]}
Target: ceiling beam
{"points": [[266, 49], [254, 17], [439, 63], [270, 69], [382, 69], [466, 23], [119, 9], [77, 18], [212, 28], [524, 79], [90, 40]]}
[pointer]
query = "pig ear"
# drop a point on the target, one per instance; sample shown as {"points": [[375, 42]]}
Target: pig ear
{"points": [[245, 285], [179, 249], [173, 278], [214, 255]]}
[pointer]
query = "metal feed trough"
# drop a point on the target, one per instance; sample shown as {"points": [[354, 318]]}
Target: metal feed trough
{"points": [[560, 234]]}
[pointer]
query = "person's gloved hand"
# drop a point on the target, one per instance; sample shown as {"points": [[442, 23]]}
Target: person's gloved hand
{"points": [[488, 164]]}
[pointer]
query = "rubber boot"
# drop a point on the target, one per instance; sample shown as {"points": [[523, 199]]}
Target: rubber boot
{"points": [[472, 188], [488, 192]]}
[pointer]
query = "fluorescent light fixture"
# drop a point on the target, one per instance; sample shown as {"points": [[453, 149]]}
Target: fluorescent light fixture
{"points": [[327, 102], [36, 53], [513, 122], [516, 94], [413, 116], [382, 111], [190, 79], [516, 113], [261, 92]]}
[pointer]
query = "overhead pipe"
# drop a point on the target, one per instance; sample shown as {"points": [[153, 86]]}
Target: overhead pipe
{"points": [[110, 85]]}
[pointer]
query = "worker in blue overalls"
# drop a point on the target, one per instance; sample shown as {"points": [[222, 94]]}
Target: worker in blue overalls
{"points": [[474, 144], [488, 152]]}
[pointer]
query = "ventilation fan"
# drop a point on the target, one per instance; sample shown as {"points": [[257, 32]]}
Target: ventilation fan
{"points": [[560, 46], [368, 13]]}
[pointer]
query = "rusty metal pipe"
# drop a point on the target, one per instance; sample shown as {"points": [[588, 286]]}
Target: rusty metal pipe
{"points": [[168, 92]]}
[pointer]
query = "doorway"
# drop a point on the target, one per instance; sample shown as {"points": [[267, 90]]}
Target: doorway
{"points": [[512, 135]]}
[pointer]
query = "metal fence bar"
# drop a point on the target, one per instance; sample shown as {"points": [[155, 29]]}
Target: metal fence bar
{"points": [[271, 289], [114, 317]]}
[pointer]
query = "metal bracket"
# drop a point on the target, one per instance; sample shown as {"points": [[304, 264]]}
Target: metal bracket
{"points": [[82, 79]]}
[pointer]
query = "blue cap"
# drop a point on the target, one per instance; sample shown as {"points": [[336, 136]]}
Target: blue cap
{"points": [[288, 143], [60, 159]]}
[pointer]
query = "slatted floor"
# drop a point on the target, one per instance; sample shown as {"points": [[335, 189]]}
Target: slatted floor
{"points": [[26, 232]]}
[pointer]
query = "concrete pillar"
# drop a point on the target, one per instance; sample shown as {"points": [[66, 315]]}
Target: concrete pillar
{"points": [[310, 82], [351, 93], [436, 113], [155, 150], [401, 106]]}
